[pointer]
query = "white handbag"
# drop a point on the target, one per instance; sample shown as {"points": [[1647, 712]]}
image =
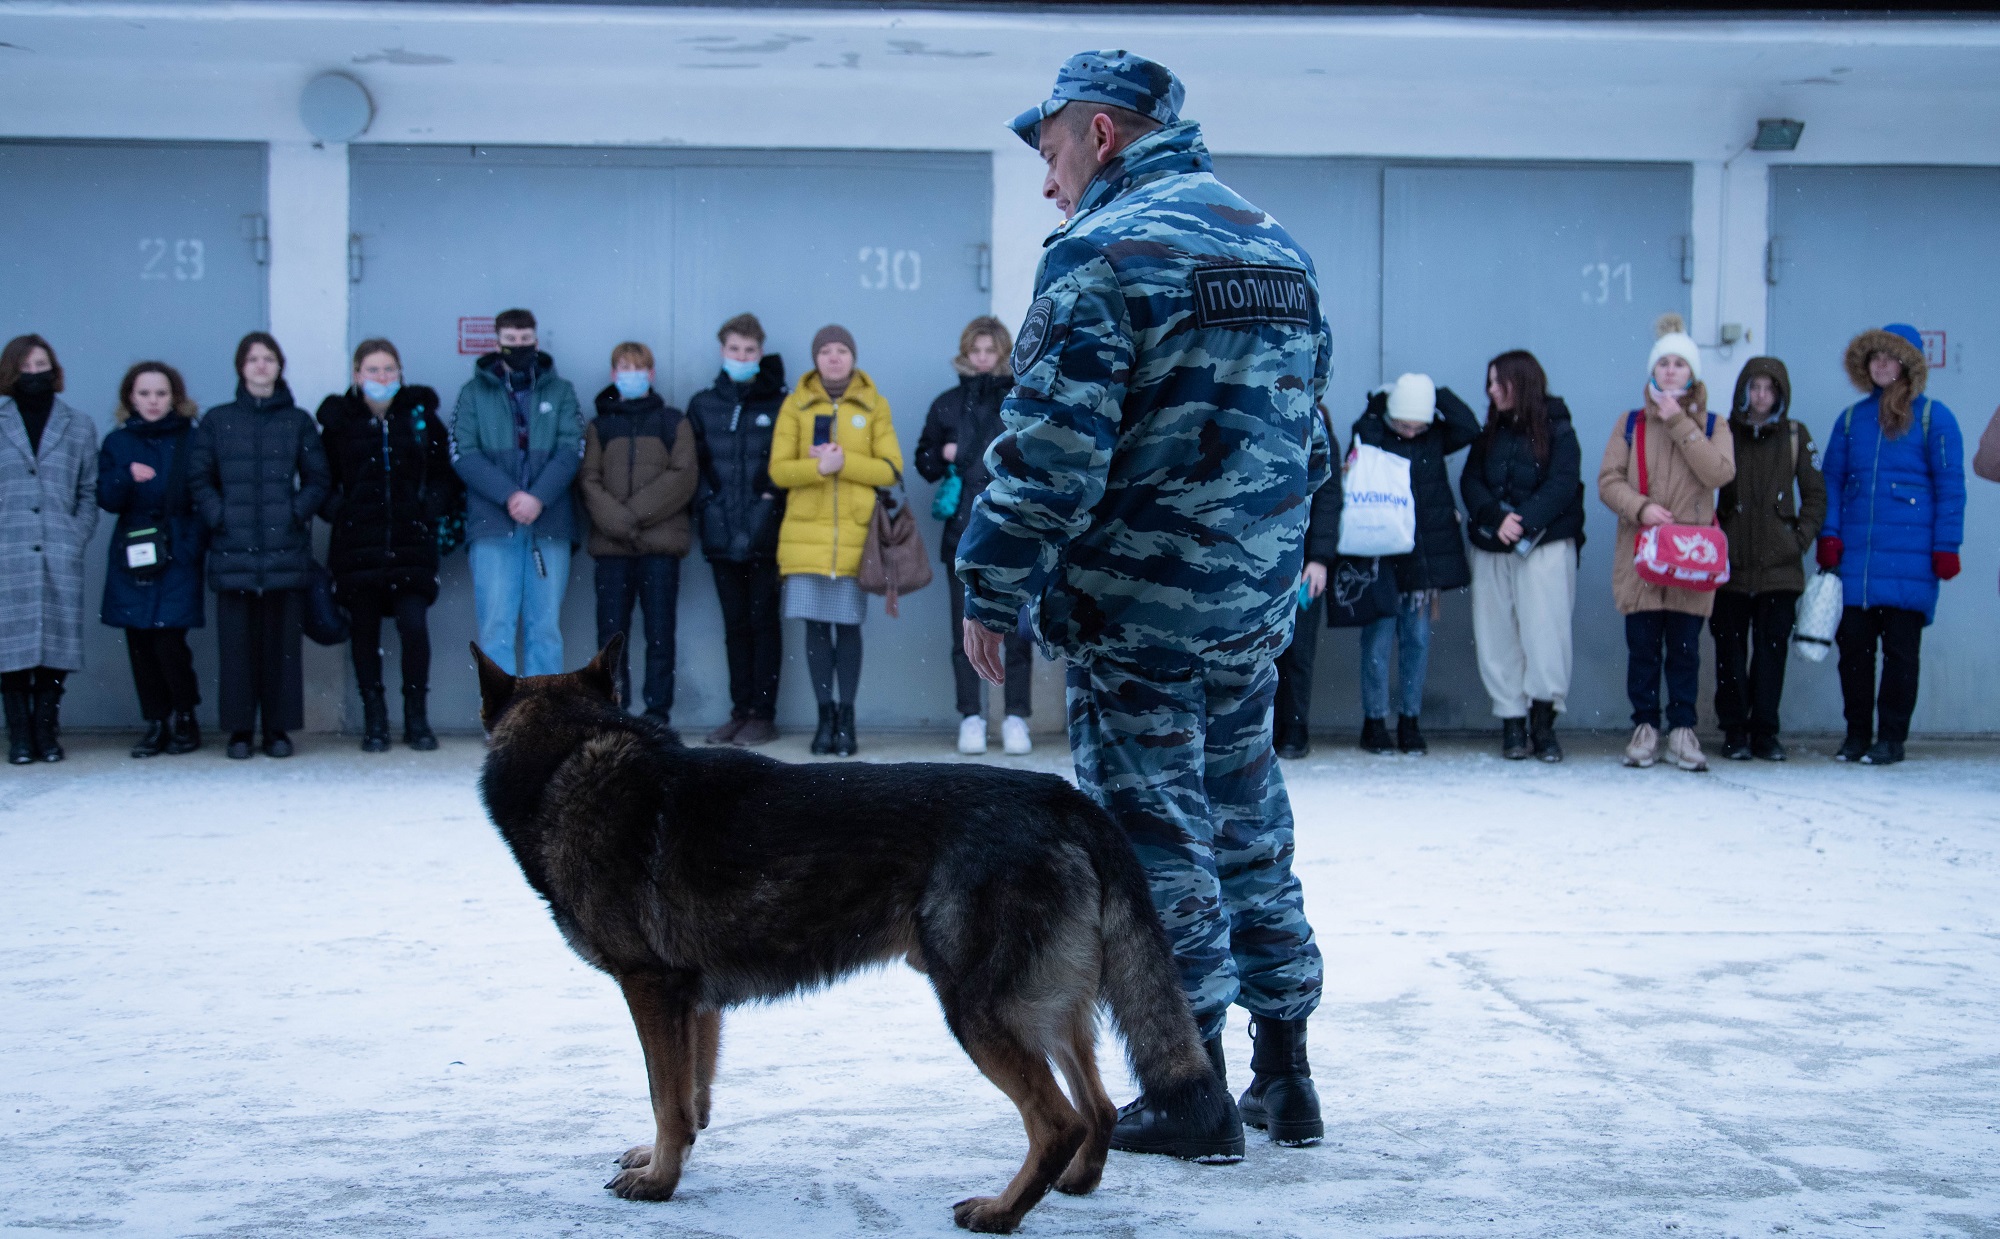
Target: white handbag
{"points": [[1819, 617], [1377, 514]]}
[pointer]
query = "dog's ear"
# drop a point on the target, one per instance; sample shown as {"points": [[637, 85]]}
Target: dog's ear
{"points": [[601, 673], [496, 687]]}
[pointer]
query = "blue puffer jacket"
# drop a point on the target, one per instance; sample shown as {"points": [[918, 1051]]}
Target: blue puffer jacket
{"points": [[172, 599], [1892, 502]]}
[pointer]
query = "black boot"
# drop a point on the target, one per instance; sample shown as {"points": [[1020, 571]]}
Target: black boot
{"points": [[1144, 1127], [277, 744], [374, 720], [1542, 730], [20, 727], [822, 743], [1410, 737], [1852, 748], [843, 735], [186, 735], [1215, 1059], [1375, 736], [1281, 1098], [154, 741], [1293, 742], [241, 745], [48, 721], [1514, 739], [1736, 745], [416, 722], [1883, 753]]}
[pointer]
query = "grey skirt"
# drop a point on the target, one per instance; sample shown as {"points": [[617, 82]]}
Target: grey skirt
{"points": [[827, 599]]}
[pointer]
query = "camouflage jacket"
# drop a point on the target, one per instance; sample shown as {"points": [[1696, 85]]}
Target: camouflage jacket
{"points": [[1150, 491]]}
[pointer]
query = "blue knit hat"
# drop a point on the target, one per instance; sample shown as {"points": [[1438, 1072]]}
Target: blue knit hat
{"points": [[1909, 333]]}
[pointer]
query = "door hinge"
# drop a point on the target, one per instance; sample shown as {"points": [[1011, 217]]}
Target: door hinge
{"points": [[982, 265], [354, 258], [1687, 260], [1771, 261], [257, 231]]}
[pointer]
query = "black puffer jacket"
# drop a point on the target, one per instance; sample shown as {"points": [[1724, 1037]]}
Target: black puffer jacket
{"points": [[1323, 524], [968, 415], [1438, 561], [392, 480], [257, 476], [1502, 476], [738, 507]]}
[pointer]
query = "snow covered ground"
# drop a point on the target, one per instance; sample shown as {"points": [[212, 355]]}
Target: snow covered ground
{"points": [[315, 997]]}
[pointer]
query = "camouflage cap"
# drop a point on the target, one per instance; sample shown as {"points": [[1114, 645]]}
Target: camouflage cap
{"points": [[1115, 77]]}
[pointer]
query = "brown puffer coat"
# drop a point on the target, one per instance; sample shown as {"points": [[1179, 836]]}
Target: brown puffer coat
{"points": [[1772, 511], [638, 477], [1684, 466]]}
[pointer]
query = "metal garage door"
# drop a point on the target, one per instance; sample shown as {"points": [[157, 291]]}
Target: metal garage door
{"points": [[118, 252], [1859, 247], [661, 246]]}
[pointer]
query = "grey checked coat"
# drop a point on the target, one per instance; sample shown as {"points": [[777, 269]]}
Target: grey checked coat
{"points": [[48, 510]]}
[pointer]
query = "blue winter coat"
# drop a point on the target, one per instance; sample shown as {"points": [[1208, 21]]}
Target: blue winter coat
{"points": [[174, 598], [1892, 502]]}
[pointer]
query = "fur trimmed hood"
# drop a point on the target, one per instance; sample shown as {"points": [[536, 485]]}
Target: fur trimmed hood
{"points": [[1882, 340]]}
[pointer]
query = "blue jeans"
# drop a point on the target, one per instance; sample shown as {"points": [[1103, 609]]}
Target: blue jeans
{"points": [[508, 590], [654, 582], [1669, 639], [1410, 627]]}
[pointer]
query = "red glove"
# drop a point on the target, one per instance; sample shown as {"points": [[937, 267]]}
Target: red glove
{"points": [[1829, 553], [1945, 564]]}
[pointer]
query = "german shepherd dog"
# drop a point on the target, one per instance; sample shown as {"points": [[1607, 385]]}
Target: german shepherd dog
{"points": [[703, 878]]}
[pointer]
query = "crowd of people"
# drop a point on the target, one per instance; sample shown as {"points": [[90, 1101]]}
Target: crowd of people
{"points": [[779, 486]]}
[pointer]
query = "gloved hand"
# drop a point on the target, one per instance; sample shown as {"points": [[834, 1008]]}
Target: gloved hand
{"points": [[1829, 553], [1945, 564]]}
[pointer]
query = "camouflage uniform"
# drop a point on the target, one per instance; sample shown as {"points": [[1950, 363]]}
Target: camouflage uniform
{"points": [[1148, 505]]}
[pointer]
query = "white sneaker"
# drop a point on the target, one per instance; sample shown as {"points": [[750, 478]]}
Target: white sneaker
{"points": [[1685, 748], [1644, 749], [1014, 736], [972, 735]]}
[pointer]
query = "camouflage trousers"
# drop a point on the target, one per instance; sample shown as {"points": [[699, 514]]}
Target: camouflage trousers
{"points": [[1183, 760]]}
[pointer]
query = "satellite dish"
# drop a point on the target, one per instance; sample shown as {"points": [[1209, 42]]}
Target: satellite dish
{"points": [[336, 108]]}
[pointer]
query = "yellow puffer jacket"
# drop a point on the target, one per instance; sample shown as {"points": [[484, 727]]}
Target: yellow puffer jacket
{"points": [[826, 515]]}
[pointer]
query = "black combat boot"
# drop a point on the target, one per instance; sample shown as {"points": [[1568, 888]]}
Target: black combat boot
{"points": [[1542, 730], [153, 741], [20, 727], [1410, 737], [186, 733], [416, 722], [1144, 1127], [1375, 736], [1281, 1098], [48, 720], [1514, 739], [844, 744], [822, 744], [1215, 1059], [374, 720]]}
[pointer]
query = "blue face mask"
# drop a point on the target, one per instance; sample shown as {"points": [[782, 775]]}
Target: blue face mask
{"points": [[740, 371], [380, 393], [632, 384]]}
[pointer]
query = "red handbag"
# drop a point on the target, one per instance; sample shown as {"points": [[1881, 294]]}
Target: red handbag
{"points": [[1692, 557]]}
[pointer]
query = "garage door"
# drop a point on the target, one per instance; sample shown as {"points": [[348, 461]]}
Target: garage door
{"points": [[1854, 248], [661, 246], [120, 252]]}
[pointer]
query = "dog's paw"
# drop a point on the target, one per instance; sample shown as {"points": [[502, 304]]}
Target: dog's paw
{"points": [[983, 1213], [1079, 1179], [636, 1156], [642, 1184]]}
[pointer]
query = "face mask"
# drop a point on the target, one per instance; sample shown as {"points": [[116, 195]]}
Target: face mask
{"points": [[518, 356], [380, 393], [740, 371], [41, 383], [632, 384]]}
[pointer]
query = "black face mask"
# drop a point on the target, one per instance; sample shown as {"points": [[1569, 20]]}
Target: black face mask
{"points": [[518, 356], [32, 385]]}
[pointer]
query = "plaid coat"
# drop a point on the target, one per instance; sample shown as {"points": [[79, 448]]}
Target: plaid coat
{"points": [[48, 510]]}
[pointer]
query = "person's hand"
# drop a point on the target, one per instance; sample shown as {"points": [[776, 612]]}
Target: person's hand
{"points": [[1945, 564], [143, 473], [950, 452], [1828, 553], [831, 457], [1668, 403], [982, 650], [1653, 514], [524, 507], [1510, 529], [1315, 579]]}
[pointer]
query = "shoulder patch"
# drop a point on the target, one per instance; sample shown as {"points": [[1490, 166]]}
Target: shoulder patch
{"points": [[1033, 339], [1247, 295]]}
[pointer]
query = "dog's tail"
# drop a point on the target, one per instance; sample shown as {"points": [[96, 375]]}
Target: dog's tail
{"points": [[1143, 992]]}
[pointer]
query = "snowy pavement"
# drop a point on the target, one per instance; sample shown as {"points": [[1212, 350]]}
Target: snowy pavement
{"points": [[315, 997]]}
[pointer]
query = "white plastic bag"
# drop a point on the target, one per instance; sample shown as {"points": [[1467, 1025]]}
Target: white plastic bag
{"points": [[1819, 617], [1377, 515]]}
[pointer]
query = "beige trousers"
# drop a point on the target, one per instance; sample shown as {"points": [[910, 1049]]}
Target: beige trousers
{"points": [[1521, 624]]}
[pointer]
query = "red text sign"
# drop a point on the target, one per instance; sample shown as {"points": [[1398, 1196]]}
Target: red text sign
{"points": [[476, 337]]}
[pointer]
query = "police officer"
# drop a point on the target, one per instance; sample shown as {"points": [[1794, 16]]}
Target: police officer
{"points": [[1148, 505]]}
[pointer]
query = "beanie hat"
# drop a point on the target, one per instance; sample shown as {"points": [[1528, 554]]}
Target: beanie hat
{"points": [[1413, 398], [1909, 333], [833, 333], [1674, 341]]}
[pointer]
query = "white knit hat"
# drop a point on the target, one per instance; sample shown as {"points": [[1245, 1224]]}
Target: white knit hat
{"points": [[1674, 341], [1413, 398]]}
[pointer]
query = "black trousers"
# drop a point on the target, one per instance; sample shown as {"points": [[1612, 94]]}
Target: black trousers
{"points": [[1753, 634], [162, 671], [366, 609], [753, 634], [653, 582], [1669, 641], [257, 638], [31, 679], [1900, 633], [1292, 714], [1020, 656]]}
